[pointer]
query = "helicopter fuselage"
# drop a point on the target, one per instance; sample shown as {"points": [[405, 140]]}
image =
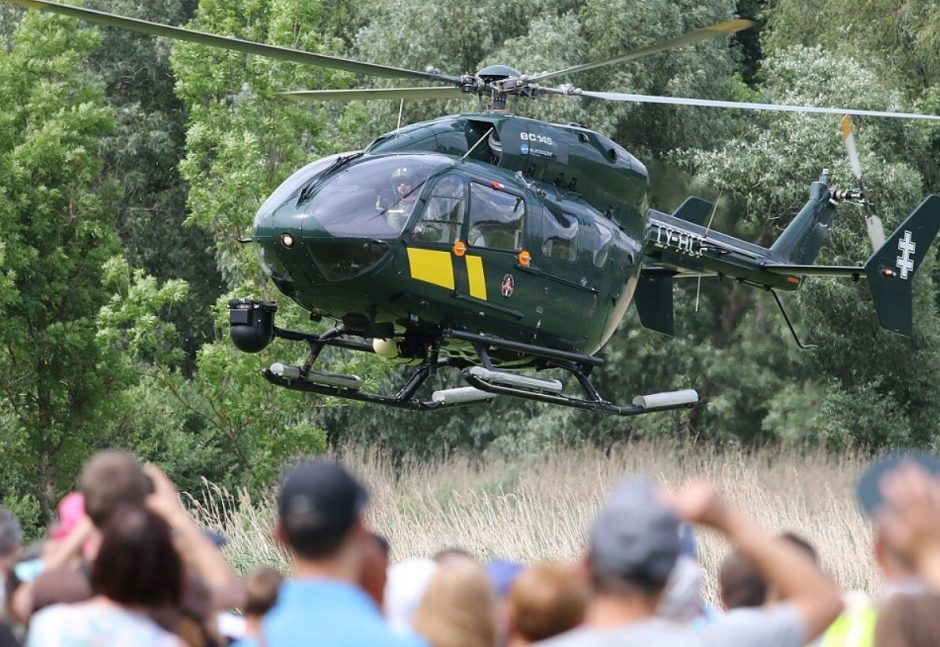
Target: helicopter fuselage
{"points": [[504, 225]]}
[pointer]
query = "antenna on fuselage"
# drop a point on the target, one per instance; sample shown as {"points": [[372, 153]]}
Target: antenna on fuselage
{"points": [[472, 148], [698, 286], [401, 109]]}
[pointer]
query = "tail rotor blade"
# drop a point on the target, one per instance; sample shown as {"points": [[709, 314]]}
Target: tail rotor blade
{"points": [[876, 230], [848, 136]]}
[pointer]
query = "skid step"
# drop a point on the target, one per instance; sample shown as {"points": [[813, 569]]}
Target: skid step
{"points": [[505, 378], [667, 399], [341, 380], [461, 395]]}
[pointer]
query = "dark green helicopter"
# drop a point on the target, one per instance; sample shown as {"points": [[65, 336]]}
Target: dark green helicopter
{"points": [[491, 243]]}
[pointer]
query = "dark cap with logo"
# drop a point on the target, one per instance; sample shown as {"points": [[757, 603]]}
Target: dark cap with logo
{"points": [[319, 498], [635, 537]]}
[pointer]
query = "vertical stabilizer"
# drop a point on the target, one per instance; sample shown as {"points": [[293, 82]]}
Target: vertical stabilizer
{"points": [[891, 269]]}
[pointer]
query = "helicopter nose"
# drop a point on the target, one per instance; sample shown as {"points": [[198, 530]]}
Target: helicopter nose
{"points": [[277, 245]]}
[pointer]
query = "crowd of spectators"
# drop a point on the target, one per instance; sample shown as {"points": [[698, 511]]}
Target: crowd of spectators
{"points": [[126, 565]]}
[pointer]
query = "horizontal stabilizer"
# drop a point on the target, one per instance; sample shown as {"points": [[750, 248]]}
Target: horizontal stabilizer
{"points": [[814, 270], [653, 299], [694, 210]]}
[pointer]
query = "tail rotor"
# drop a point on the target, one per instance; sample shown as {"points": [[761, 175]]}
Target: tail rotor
{"points": [[876, 231]]}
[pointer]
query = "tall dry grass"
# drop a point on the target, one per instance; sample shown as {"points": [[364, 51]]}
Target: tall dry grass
{"points": [[539, 508]]}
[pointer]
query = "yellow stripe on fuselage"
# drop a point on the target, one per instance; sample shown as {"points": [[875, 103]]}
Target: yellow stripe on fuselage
{"points": [[476, 277], [431, 266]]}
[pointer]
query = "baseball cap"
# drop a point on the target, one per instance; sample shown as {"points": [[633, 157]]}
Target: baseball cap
{"points": [[320, 496], [868, 489], [503, 574], [635, 535]]}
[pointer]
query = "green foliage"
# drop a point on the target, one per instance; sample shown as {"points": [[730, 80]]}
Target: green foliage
{"points": [[142, 154], [56, 206], [900, 37]]}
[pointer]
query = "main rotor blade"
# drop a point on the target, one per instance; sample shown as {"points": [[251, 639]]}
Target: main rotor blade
{"points": [[374, 94], [708, 103], [712, 31], [225, 42]]}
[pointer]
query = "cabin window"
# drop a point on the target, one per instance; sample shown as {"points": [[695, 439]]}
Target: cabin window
{"points": [[495, 218], [560, 235], [443, 219], [605, 237]]}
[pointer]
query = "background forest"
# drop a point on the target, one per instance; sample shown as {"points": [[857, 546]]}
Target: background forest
{"points": [[130, 166]]}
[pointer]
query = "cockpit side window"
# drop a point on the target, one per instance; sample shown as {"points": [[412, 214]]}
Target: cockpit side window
{"points": [[560, 235], [496, 218], [442, 221]]}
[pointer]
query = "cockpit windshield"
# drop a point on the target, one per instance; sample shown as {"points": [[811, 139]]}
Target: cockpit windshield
{"points": [[371, 198]]}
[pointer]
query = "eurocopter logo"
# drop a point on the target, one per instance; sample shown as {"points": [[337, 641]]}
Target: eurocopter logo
{"points": [[905, 262]]}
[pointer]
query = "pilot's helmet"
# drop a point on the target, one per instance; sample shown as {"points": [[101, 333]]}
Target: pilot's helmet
{"points": [[402, 180]]}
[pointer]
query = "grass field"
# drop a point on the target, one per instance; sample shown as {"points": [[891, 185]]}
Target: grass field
{"points": [[539, 508]]}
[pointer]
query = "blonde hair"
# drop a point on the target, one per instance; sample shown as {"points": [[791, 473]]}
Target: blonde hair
{"points": [[547, 600], [459, 607]]}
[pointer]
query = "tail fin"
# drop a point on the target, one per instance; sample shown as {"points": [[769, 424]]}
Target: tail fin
{"points": [[804, 236], [891, 269]]}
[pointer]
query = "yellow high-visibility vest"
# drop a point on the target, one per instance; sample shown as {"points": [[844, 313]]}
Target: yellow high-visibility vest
{"points": [[855, 628]]}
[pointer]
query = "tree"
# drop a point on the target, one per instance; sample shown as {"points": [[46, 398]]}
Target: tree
{"points": [[56, 206]]}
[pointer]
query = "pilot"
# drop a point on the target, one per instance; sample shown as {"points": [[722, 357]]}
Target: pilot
{"points": [[405, 195]]}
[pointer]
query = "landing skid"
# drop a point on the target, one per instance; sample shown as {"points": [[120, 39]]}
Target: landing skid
{"points": [[485, 381]]}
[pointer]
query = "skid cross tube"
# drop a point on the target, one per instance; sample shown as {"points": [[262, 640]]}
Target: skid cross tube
{"points": [[521, 347]]}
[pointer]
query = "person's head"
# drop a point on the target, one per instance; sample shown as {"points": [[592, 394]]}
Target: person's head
{"points": [[261, 585], [740, 583], [137, 564], [868, 491], [320, 510], [109, 479], [909, 621], [11, 540], [458, 608], [774, 595], [545, 601], [404, 590], [634, 543], [373, 573], [402, 181], [452, 553]]}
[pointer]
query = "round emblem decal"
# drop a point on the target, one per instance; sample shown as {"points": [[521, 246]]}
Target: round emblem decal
{"points": [[508, 286]]}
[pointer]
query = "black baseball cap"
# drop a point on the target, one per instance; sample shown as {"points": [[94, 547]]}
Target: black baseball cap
{"points": [[868, 489], [319, 497]]}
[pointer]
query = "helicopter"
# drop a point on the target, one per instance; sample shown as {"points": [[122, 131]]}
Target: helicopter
{"points": [[499, 246]]}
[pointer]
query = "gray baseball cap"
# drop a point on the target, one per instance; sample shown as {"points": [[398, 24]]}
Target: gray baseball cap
{"points": [[635, 536]]}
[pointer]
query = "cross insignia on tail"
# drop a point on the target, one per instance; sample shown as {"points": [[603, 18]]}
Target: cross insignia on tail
{"points": [[905, 262]]}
